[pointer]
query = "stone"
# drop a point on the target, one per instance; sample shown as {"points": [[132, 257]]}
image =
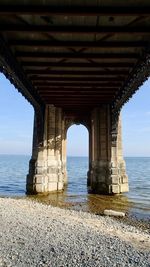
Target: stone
{"points": [[60, 185], [115, 179], [124, 179], [39, 188], [52, 177], [115, 189], [124, 187], [114, 213], [52, 186], [114, 171]]}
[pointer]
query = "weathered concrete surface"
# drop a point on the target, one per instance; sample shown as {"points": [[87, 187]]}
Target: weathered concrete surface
{"points": [[107, 173], [47, 170]]}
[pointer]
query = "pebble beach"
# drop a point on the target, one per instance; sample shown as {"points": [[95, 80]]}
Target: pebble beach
{"points": [[35, 234]]}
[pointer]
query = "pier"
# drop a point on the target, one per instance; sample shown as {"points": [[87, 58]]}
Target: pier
{"points": [[76, 64]]}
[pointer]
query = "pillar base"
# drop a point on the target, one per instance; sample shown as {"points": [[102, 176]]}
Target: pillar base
{"points": [[43, 184], [104, 178], [44, 179], [37, 188]]}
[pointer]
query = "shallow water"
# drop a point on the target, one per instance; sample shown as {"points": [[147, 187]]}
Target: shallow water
{"points": [[13, 170]]}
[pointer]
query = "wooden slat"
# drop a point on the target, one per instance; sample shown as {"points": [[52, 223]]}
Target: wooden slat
{"points": [[73, 96], [78, 72], [48, 55], [77, 44], [77, 103], [79, 65], [73, 29], [76, 100], [74, 10], [89, 84], [88, 90], [81, 79]]}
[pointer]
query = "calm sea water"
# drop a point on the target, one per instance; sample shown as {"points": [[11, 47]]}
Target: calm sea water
{"points": [[13, 170]]}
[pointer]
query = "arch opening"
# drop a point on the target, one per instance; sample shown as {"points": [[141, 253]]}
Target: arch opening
{"points": [[77, 159], [16, 126]]}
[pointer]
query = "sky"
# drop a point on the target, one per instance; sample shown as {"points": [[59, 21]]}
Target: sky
{"points": [[16, 124]]}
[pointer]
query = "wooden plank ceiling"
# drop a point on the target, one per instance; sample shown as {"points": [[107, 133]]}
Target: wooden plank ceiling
{"points": [[76, 57]]}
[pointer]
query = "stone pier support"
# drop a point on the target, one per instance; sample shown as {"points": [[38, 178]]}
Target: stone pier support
{"points": [[47, 168], [107, 174]]}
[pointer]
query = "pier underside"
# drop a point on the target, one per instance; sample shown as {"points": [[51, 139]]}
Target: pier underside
{"points": [[76, 62]]}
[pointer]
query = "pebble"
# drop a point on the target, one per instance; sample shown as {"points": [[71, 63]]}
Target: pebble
{"points": [[34, 234]]}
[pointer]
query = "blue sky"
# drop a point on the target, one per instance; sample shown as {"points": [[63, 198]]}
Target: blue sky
{"points": [[16, 124], [136, 123]]}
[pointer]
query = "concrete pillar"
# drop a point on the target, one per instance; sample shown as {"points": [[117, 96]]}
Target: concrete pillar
{"points": [[64, 152], [47, 165], [90, 159], [119, 179], [107, 172]]}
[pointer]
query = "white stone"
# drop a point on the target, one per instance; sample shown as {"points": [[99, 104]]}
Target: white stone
{"points": [[114, 213]]}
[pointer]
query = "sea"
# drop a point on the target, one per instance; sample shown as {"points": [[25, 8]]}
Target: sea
{"points": [[14, 168]]}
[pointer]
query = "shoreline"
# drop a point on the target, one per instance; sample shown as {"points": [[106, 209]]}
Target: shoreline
{"points": [[139, 221], [35, 234], [142, 222]]}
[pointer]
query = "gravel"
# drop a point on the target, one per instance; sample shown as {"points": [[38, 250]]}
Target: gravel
{"points": [[34, 234]]}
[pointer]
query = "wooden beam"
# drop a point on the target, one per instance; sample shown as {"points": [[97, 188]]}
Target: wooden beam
{"points": [[74, 96], [71, 103], [77, 72], [77, 99], [83, 97], [70, 89], [50, 55], [106, 84], [77, 91], [78, 65], [74, 10], [77, 105], [81, 79], [89, 90], [77, 44], [74, 29]]}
